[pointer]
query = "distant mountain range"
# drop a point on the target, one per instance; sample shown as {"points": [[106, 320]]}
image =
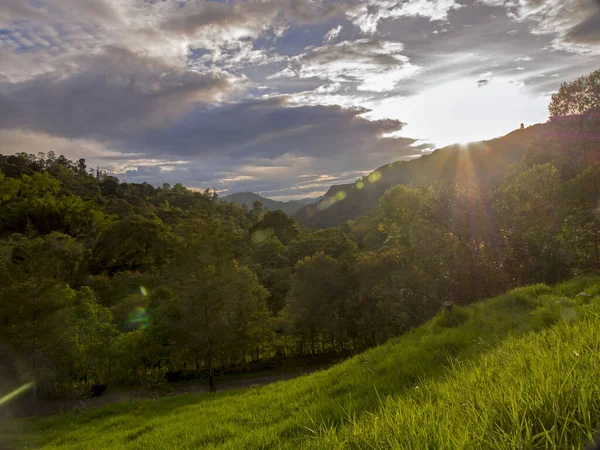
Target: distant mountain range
{"points": [[480, 162], [248, 198]]}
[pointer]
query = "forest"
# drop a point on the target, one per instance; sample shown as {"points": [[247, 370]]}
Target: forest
{"points": [[105, 282]]}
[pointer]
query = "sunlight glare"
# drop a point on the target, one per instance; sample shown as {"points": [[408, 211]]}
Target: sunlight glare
{"points": [[14, 394], [460, 111]]}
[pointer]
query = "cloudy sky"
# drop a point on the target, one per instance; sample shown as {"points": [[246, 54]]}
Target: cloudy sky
{"points": [[281, 97]]}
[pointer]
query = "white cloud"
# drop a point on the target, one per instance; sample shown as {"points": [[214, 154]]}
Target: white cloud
{"points": [[333, 33], [367, 14], [369, 64]]}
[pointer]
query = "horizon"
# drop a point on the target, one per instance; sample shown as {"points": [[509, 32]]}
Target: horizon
{"points": [[283, 99]]}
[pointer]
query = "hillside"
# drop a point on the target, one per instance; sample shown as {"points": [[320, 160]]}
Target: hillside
{"points": [[480, 162], [516, 371], [248, 198]]}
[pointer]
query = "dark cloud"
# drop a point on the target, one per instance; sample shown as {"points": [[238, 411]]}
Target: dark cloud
{"points": [[18, 9], [107, 95], [250, 17], [196, 16], [482, 83], [373, 52], [587, 31], [574, 23], [273, 127], [108, 13]]}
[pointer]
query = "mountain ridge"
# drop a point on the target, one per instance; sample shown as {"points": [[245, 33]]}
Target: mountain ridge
{"points": [[247, 198], [484, 162]]}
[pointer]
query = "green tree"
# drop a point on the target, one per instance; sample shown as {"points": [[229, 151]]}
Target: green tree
{"points": [[577, 97], [279, 223], [316, 302], [218, 303], [532, 212], [580, 233], [134, 243]]}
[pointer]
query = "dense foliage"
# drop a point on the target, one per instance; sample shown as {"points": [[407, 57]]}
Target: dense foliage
{"points": [[109, 282], [578, 97]]}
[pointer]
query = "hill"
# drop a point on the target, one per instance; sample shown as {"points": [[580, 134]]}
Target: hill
{"points": [[515, 371], [248, 198], [480, 162]]}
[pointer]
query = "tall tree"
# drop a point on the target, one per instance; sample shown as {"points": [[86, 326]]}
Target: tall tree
{"points": [[216, 300], [316, 302], [577, 98]]}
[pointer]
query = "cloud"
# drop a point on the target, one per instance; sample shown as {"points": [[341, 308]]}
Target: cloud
{"points": [[13, 141], [369, 64], [108, 94], [214, 23], [576, 23], [587, 31], [332, 34], [13, 9], [221, 21], [255, 94], [368, 14], [271, 128]]}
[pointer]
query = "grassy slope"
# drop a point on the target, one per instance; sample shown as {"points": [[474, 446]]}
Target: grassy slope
{"points": [[517, 371]]}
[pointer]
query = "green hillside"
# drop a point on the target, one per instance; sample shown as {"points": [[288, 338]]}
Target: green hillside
{"points": [[516, 371], [483, 163]]}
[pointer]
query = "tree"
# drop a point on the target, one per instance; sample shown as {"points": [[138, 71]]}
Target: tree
{"points": [[279, 223], [331, 241], [257, 207], [81, 166], [388, 298], [219, 304], [577, 97], [134, 243], [56, 334], [580, 232], [532, 212], [316, 301]]}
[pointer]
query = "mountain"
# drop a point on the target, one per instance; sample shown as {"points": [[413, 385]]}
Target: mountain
{"points": [[483, 162], [248, 198]]}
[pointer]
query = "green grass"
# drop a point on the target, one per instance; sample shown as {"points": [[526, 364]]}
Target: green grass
{"points": [[518, 371]]}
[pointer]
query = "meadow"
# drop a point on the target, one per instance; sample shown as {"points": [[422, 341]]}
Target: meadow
{"points": [[518, 371]]}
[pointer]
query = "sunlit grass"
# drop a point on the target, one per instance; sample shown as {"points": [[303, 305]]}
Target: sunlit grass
{"points": [[516, 371]]}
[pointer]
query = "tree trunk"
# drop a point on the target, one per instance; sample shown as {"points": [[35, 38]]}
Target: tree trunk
{"points": [[597, 248], [211, 376]]}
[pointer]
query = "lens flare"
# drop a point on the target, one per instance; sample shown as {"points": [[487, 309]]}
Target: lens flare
{"points": [[138, 318], [14, 394], [338, 197], [260, 236], [143, 291], [375, 176]]}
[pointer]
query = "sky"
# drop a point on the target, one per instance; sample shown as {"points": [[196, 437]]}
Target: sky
{"points": [[280, 97]]}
